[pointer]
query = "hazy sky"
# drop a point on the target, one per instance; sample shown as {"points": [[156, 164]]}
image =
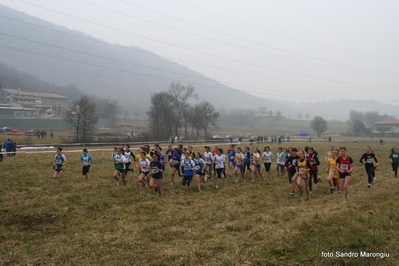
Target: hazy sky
{"points": [[283, 50]]}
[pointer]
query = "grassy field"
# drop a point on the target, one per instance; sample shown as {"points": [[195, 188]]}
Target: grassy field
{"points": [[96, 222]]}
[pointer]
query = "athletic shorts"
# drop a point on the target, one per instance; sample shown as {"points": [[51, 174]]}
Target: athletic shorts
{"points": [[241, 167], [199, 172], [176, 166], [187, 180], [145, 173], [257, 165], [85, 169], [343, 175], [157, 176], [219, 172]]}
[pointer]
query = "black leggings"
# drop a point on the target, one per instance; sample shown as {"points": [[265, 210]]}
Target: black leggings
{"points": [[315, 177], [247, 166], [370, 172], [395, 168]]}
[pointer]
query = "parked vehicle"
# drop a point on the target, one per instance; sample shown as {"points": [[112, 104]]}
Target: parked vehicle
{"points": [[15, 132], [30, 133], [7, 129]]}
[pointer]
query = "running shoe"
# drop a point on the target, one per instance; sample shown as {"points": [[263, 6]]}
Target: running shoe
{"points": [[331, 190], [292, 194], [172, 184], [369, 185], [344, 201]]}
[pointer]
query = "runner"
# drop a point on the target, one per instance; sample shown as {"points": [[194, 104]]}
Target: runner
{"points": [[214, 152], [302, 173], [199, 170], [314, 162], [333, 174], [290, 165], [345, 168], [208, 161], [120, 161], [128, 155], [232, 155], [175, 163], [368, 159], [394, 159], [239, 164], [87, 159], [169, 152], [255, 164], [281, 157], [247, 159], [191, 152], [219, 161], [60, 162], [145, 173], [157, 169], [267, 159], [187, 168]]}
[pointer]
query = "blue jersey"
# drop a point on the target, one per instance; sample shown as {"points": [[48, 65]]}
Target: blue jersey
{"points": [[199, 165], [188, 167], [86, 159], [176, 158], [59, 160], [247, 157], [232, 155]]}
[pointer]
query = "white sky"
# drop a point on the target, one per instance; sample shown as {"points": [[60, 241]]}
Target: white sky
{"points": [[310, 50]]}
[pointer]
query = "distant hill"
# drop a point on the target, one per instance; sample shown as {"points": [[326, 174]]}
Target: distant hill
{"points": [[120, 80], [122, 84]]}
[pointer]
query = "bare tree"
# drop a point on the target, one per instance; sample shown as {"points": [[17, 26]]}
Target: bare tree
{"points": [[319, 125], [181, 94], [161, 115], [209, 115], [82, 117], [299, 116]]}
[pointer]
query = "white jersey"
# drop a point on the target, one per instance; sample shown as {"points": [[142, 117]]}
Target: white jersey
{"points": [[219, 160], [267, 157], [208, 157], [144, 162], [128, 154], [280, 158]]}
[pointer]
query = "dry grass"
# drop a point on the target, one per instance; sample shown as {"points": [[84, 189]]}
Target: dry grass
{"points": [[95, 222]]}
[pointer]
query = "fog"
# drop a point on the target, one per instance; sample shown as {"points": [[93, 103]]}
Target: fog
{"points": [[281, 50]]}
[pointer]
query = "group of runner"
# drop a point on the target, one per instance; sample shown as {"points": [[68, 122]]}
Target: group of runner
{"points": [[300, 166]]}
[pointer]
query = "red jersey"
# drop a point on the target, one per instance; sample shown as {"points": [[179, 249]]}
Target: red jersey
{"points": [[344, 164]]}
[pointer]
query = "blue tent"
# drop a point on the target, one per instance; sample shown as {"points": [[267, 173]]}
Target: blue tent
{"points": [[302, 133]]}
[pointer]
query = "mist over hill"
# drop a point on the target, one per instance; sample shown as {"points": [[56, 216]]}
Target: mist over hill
{"points": [[62, 56]]}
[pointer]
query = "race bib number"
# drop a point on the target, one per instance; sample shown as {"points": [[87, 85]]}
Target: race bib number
{"points": [[197, 167], [155, 170], [301, 170], [333, 171], [370, 160], [344, 166]]}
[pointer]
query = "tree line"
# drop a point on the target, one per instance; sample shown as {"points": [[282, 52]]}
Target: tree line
{"points": [[171, 111]]}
